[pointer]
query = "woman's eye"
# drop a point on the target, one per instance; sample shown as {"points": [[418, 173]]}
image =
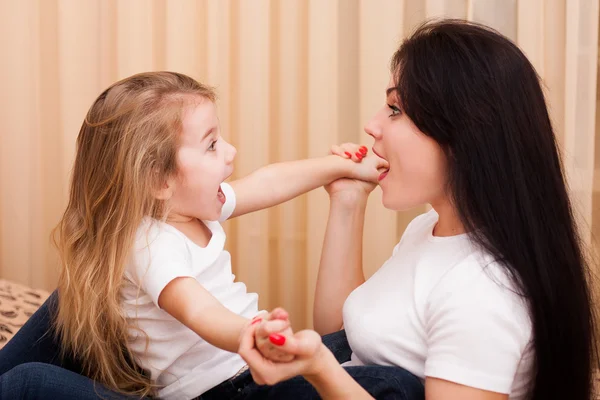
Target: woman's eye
{"points": [[395, 110], [213, 146]]}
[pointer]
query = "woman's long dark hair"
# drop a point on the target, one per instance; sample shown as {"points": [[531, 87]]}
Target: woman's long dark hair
{"points": [[474, 92]]}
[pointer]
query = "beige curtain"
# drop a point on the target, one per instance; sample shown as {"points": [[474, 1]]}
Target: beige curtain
{"points": [[294, 77]]}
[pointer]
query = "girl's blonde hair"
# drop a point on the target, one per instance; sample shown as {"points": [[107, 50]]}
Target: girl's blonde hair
{"points": [[126, 149]]}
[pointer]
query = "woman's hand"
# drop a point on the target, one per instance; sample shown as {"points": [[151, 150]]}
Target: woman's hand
{"points": [[364, 177], [308, 353], [311, 359]]}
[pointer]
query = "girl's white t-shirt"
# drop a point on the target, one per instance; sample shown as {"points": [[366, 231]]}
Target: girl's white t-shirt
{"points": [[178, 359], [440, 307]]}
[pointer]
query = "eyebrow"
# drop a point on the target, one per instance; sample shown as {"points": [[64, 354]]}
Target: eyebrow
{"points": [[390, 90], [208, 133]]}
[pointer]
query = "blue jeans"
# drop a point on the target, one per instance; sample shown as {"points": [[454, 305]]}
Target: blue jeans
{"points": [[381, 382], [31, 367], [34, 380]]}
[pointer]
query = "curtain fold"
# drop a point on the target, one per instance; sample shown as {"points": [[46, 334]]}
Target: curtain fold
{"points": [[293, 77]]}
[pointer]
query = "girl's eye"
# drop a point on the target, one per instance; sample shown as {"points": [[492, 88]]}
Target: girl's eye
{"points": [[213, 146], [395, 110]]}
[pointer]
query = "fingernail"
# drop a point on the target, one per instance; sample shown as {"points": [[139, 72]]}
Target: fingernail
{"points": [[348, 154], [359, 155], [277, 340], [256, 320], [363, 150]]}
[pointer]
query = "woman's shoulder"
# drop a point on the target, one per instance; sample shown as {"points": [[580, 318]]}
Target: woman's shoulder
{"points": [[480, 272], [478, 282]]}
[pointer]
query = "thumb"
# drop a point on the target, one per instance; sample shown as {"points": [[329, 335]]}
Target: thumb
{"points": [[304, 343]]}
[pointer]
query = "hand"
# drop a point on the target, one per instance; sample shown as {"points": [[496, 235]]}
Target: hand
{"points": [[271, 332], [364, 177], [310, 357]]}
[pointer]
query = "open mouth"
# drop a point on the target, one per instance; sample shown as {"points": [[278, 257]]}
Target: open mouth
{"points": [[383, 174], [221, 195]]}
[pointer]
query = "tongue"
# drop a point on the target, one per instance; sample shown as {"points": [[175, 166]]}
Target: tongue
{"points": [[221, 195]]}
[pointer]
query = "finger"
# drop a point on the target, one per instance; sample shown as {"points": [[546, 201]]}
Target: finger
{"points": [[358, 152], [354, 148], [259, 317], [247, 338], [338, 151], [266, 328], [251, 355], [303, 343], [274, 353], [381, 163], [279, 313], [280, 357]]}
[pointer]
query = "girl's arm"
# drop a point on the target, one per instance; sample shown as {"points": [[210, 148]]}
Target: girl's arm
{"points": [[280, 182], [191, 304]]}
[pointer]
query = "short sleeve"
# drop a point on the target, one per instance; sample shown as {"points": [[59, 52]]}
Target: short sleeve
{"points": [[159, 258], [477, 329], [230, 201]]}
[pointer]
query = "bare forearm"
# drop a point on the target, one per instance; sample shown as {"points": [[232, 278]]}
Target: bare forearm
{"points": [[340, 269], [333, 382], [218, 326], [280, 182], [195, 307]]}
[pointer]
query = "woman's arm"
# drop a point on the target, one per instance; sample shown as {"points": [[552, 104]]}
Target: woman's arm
{"points": [[340, 269], [439, 389], [312, 360], [333, 382]]}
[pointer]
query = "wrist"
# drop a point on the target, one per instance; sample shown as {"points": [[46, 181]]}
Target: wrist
{"points": [[342, 167], [349, 199], [320, 367]]}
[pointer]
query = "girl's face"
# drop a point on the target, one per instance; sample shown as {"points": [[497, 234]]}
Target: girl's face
{"points": [[417, 173], [204, 161]]}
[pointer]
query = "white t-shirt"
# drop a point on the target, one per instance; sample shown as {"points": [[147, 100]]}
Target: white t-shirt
{"points": [[442, 308], [177, 358]]}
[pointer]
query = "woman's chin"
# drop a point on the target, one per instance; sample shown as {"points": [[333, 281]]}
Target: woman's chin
{"points": [[397, 204]]}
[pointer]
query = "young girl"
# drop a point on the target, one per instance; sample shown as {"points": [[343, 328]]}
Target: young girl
{"points": [[145, 279]]}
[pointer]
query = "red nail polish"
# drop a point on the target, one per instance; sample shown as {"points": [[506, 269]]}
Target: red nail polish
{"points": [[359, 155], [256, 320], [348, 154], [277, 340], [363, 150]]}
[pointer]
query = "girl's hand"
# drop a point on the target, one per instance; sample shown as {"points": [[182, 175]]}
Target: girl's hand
{"points": [[271, 332]]}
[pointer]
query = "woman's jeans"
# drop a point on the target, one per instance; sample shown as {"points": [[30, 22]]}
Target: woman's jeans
{"points": [[31, 367]]}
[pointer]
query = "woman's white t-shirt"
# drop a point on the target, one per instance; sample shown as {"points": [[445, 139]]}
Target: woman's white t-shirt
{"points": [[179, 360], [440, 307]]}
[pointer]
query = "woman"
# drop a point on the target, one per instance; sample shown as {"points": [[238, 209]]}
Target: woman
{"points": [[486, 295]]}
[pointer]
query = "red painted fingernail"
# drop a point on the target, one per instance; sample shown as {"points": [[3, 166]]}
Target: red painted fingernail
{"points": [[363, 150], [359, 155], [256, 320], [348, 154], [277, 340]]}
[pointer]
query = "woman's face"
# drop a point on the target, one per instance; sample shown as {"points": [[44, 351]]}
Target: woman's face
{"points": [[417, 173]]}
